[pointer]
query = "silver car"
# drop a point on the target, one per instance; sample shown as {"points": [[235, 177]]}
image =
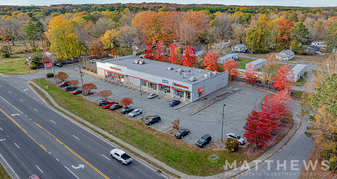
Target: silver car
{"points": [[152, 95], [241, 140], [135, 112]]}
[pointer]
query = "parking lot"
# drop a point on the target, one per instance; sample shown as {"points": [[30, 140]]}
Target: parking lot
{"points": [[207, 121]]}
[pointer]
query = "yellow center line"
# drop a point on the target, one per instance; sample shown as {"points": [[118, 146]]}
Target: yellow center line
{"points": [[74, 152], [44, 148]]}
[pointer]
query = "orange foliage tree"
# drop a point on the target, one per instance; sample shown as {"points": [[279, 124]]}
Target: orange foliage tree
{"points": [[88, 87], [159, 55], [284, 78], [62, 76], [211, 61], [126, 102], [96, 48], [232, 67], [251, 74], [284, 32], [189, 56], [173, 56], [104, 94], [73, 83], [192, 26]]}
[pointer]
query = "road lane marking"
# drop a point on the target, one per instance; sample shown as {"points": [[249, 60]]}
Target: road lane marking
{"points": [[49, 153], [30, 119], [9, 166], [9, 92], [36, 110], [16, 87], [21, 100], [76, 137], [1, 129], [10, 104], [57, 159], [81, 158], [17, 145], [44, 148], [106, 157], [71, 172], [53, 121], [39, 168]]}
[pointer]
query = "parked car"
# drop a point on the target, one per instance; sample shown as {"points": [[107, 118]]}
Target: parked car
{"points": [[115, 106], [135, 112], [121, 156], [34, 177], [232, 135], [58, 64], [182, 133], [152, 120], [93, 60], [63, 84], [101, 101], [77, 92], [152, 95], [142, 56], [174, 103], [108, 104], [126, 110], [204, 140], [70, 88]]}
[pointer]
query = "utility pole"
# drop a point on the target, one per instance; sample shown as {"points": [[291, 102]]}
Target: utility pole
{"points": [[223, 115], [54, 72], [79, 66], [39, 78], [141, 99], [251, 50], [10, 56]]}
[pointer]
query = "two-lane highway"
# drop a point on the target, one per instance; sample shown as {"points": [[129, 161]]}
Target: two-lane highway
{"points": [[36, 139]]}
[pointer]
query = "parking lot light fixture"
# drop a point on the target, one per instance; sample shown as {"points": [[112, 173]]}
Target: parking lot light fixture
{"points": [[223, 115]]}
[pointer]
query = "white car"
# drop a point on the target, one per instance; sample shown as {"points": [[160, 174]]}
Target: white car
{"points": [[121, 156], [152, 95], [93, 60], [135, 112], [141, 56], [241, 140]]}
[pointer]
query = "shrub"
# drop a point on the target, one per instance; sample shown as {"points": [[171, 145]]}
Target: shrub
{"points": [[95, 71], [87, 68], [49, 75], [232, 145], [83, 67], [91, 70], [175, 124], [265, 51]]}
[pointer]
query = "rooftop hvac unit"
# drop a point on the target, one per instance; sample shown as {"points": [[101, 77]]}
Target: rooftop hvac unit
{"points": [[185, 75], [170, 68], [180, 70], [215, 72], [209, 74], [141, 62], [205, 75], [189, 71], [192, 79], [199, 71], [136, 61]]}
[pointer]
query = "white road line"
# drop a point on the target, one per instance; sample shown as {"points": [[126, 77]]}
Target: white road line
{"points": [[30, 119], [53, 121], [21, 100], [106, 157], [71, 172], [36, 110], [57, 159], [76, 137], [49, 153], [39, 169], [17, 145], [9, 166], [9, 92], [16, 87], [1, 129], [10, 104]]}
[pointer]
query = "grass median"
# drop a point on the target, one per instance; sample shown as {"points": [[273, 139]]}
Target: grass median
{"points": [[178, 154], [3, 173]]}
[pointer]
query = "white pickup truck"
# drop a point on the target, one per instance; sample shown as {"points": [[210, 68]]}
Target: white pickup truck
{"points": [[121, 156]]}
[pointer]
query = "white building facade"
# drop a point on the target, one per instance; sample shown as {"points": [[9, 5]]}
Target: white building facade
{"points": [[257, 63], [240, 48], [232, 56], [297, 72], [285, 55]]}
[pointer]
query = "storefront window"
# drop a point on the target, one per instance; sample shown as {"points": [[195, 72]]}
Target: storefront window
{"points": [[164, 89], [153, 86], [114, 77], [143, 82], [179, 94], [188, 95]]}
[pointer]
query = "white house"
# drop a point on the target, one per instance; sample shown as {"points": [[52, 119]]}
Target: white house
{"points": [[285, 55], [257, 63], [199, 50], [297, 72], [318, 43], [232, 56], [239, 48]]}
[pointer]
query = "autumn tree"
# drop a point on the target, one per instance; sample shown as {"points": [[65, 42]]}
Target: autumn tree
{"points": [[284, 79], [88, 87], [189, 56], [300, 33], [96, 48], [331, 36], [173, 56], [250, 74], [284, 27], [211, 62], [126, 102], [175, 124], [62, 76], [73, 83], [269, 68], [104, 94], [149, 52], [232, 67], [221, 26], [159, 54]]}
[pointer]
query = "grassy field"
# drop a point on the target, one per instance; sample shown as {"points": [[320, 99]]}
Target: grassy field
{"points": [[14, 68], [243, 62], [178, 154], [3, 173], [300, 82]]}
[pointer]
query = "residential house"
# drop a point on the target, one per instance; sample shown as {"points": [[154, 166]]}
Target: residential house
{"points": [[297, 72], [240, 48], [311, 49], [318, 44], [257, 63], [199, 50], [285, 55], [232, 56], [222, 45]]}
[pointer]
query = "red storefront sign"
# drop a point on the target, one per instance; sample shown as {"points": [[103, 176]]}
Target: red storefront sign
{"points": [[200, 90], [114, 68], [178, 85]]}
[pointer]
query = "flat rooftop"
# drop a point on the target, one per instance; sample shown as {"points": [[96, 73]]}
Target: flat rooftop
{"points": [[157, 68], [298, 68]]}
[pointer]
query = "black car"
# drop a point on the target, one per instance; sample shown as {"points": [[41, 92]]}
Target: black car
{"points": [[126, 110], [152, 120], [63, 84], [70, 88], [204, 140], [101, 101], [182, 133], [115, 106], [58, 64]]}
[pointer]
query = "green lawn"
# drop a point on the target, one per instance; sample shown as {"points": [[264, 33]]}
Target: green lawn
{"points": [[3, 173], [15, 67], [300, 82], [178, 154], [297, 94], [243, 62]]}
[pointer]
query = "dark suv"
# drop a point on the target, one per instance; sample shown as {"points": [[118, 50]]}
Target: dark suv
{"points": [[152, 120], [204, 140], [182, 133], [70, 88]]}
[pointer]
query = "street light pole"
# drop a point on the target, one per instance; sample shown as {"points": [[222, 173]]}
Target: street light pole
{"points": [[39, 78], [223, 115], [79, 67], [54, 72], [141, 99]]}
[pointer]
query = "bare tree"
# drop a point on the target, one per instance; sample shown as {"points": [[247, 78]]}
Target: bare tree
{"points": [[101, 26], [127, 36], [222, 26], [9, 27]]}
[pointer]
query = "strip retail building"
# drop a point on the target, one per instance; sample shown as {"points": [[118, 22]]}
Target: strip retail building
{"points": [[162, 78]]}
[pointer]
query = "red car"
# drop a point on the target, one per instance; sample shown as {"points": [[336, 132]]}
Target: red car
{"points": [[77, 92], [108, 104]]}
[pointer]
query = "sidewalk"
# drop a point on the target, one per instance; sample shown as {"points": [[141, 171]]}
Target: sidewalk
{"points": [[228, 174]]}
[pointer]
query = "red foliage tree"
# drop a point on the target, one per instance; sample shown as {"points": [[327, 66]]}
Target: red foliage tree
{"points": [[62, 76], [250, 74], [96, 48], [284, 78], [73, 82], [149, 52], [173, 56], [88, 87], [105, 94], [126, 102], [159, 55], [189, 56], [211, 61], [284, 27], [257, 128], [232, 67]]}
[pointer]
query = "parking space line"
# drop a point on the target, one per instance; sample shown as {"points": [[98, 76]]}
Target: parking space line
{"points": [[106, 157], [9, 92], [21, 100], [39, 169]]}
